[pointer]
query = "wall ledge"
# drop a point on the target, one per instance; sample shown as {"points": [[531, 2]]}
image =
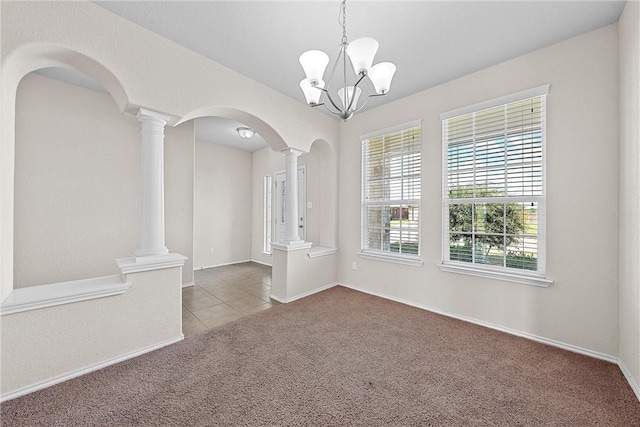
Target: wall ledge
{"points": [[289, 247], [140, 264], [42, 296], [318, 251]]}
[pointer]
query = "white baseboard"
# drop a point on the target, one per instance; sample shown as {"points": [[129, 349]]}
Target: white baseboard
{"points": [[260, 262], [634, 385], [543, 340], [188, 285], [306, 294], [222, 265], [73, 374]]}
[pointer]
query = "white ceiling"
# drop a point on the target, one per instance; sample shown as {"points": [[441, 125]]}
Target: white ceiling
{"points": [[431, 42], [220, 130]]}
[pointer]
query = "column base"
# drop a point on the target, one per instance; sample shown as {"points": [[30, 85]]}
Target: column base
{"points": [[141, 254]]}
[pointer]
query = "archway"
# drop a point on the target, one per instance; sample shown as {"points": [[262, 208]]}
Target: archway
{"points": [[228, 223], [268, 133], [20, 63]]}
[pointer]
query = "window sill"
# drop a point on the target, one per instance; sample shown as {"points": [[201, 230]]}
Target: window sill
{"points": [[396, 259], [35, 297], [526, 279]]}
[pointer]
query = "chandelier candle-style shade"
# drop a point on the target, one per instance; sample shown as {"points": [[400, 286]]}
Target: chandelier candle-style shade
{"points": [[361, 53]]}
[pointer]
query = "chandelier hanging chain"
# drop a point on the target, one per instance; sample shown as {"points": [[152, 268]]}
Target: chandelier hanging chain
{"points": [[342, 20]]}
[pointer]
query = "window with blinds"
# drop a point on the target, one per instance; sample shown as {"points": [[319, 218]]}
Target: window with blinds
{"points": [[493, 185], [391, 181]]}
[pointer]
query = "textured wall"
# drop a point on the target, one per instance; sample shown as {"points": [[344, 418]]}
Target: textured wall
{"points": [[45, 344], [77, 184], [179, 147], [222, 214], [629, 35], [150, 72], [581, 307]]}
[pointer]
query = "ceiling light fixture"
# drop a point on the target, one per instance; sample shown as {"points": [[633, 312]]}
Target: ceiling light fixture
{"points": [[361, 53], [245, 132]]}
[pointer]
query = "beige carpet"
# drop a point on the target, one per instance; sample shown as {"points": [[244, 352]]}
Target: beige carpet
{"points": [[338, 358]]}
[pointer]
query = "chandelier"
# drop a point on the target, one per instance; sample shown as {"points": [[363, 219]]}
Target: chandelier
{"points": [[361, 53]]}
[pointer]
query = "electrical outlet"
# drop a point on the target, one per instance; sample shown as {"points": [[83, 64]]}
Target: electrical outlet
{"points": [[211, 250], [354, 266]]}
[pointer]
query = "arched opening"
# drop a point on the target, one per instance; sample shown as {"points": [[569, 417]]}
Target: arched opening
{"points": [[223, 191], [227, 217], [22, 62], [268, 133], [76, 179]]}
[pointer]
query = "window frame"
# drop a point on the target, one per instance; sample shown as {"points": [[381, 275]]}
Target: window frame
{"points": [[531, 277], [382, 255], [267, 212]]}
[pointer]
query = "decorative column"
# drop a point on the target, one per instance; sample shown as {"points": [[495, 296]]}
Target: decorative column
{"points": [[291, 235], [152, 224]]}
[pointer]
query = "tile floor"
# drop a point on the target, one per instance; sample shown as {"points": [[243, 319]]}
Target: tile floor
{"points": [[223, 294]]}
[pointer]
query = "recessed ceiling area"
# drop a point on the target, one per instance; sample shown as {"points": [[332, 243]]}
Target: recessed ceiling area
{"points": [[220, 130], [431, 42]]}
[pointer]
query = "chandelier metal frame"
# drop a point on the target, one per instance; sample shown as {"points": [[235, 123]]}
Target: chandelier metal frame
{"points": [[361, 53]]}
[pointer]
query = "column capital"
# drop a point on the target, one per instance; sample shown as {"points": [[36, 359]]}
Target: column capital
{"points": [[144, 115], [290, 152]]}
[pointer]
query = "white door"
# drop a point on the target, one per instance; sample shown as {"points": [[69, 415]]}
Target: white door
{"points": [[280, 195]]}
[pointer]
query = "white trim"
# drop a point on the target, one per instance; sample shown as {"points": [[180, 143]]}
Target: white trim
{"points": [[634, 386], [318, 251], [140, 264], [35, 297], [392, 129], [396, 259], [156, 115], [543, 340], [291, 246], [305, 294], [498, 275], [505, 273], [188, 285], [261, 262], [87, 369], [223, 264], [525, 94]]}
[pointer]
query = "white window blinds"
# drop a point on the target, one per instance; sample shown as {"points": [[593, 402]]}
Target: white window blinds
{"points": [[493, 188], [391, 188]]}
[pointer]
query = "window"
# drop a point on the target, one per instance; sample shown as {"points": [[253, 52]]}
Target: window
{"points": [[493, 185], [391, 181], [268, 225]]}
